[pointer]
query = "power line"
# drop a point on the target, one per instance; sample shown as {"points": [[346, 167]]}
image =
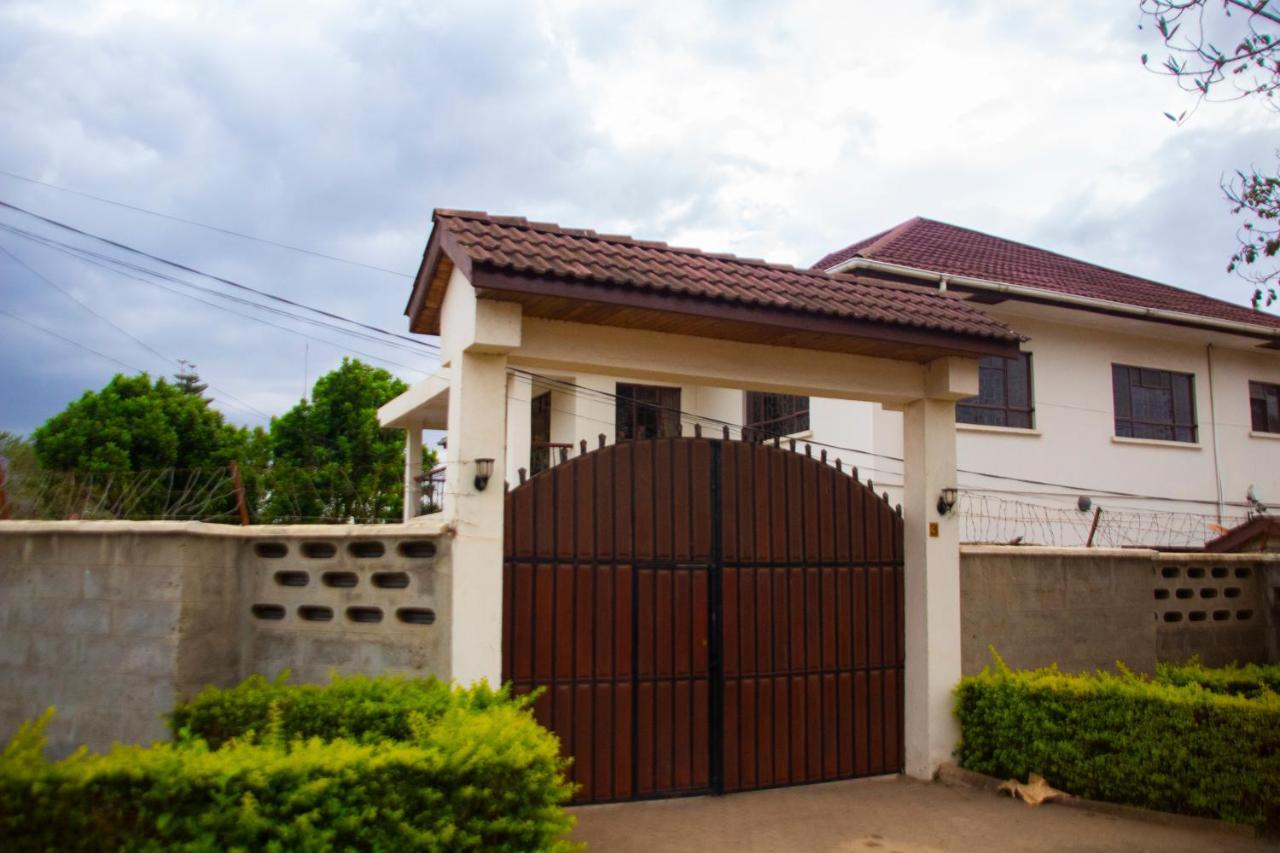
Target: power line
{"points": [[216, 228], [97, 260], [231, 397], [74, 343], [578, 390], [229, 282], [111, 264]]}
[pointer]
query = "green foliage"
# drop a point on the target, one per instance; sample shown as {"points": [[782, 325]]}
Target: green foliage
{"points": [[1125, 739], [135, 425], [1251, 680], [468, 779], [331, 460], [352, 707]]}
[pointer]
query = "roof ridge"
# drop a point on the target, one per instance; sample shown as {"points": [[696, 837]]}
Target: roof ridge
{"points": [[885, 238]]}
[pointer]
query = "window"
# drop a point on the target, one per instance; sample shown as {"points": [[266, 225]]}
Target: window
{"points": [[775, 414], [1004, 394], [647, 411], [1154, 403], [1264, 405], [540, 433]]}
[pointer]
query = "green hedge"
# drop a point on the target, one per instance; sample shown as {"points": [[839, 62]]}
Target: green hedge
{"points": [[1124, 739], [476, 773], [1251, 680], [353, 707]]}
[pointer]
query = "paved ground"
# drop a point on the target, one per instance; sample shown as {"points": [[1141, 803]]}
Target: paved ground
{"points": [[885, 815]]}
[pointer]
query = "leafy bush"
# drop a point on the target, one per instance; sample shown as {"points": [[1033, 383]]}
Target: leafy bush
{"points": [[355, 707], [1251, 680], [466, 780], [1125, 739]]}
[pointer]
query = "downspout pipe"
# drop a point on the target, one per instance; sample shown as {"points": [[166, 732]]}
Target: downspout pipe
{"points": [[1213, 422], [1016, 290]]}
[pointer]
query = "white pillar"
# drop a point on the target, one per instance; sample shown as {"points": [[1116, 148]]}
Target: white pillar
{"points": [[412, 470], [931, 585], [519, 425], [477, 429]]}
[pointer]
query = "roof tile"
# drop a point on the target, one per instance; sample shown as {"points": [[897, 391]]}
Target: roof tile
{"points": [[942, 248]]}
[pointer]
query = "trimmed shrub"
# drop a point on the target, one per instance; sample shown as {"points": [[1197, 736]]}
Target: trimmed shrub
{"points": [[354, 707], [1251, 680], [467, 780], [1125, 739]]}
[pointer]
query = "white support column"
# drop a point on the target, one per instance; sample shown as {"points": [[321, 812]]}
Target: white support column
{"points": [[412, 470], [932, 555], [519, 425], [477, 430]]}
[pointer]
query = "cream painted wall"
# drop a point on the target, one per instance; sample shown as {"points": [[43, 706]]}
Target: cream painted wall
{"points": [[1074, 439]]}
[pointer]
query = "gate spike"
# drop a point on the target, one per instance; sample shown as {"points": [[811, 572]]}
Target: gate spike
{"points": [[871, 485], [726, 432], [697, 430], [679, 428], [838, 463], [808, 450], [824, 456], [777, 441], [885, 496], [855, 473], [523, 474], [898, 510], [791, 444], [602, 439], [564, 454], [582, 446]]}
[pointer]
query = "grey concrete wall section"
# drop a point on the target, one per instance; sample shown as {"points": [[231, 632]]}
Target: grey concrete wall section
{"points": [[114, 622], [1085, 609], [1082, 610]]}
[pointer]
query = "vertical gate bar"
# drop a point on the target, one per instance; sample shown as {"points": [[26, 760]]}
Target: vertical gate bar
{"points": [[714, 620], [635, 625]]}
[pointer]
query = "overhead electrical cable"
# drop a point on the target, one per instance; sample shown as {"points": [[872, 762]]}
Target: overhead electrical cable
{"points": [[229, 232], [222, 280]]}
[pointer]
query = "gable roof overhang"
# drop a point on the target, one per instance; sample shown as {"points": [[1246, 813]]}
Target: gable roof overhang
{"points": [[581, 276], [990, 270]]}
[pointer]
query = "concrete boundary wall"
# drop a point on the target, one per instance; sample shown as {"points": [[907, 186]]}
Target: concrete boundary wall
{"points": [[114, 622], [1086, 608]]}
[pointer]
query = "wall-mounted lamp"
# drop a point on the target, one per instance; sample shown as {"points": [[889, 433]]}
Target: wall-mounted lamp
{"points": [[947, 500], [484, 470], [1084, 503]]}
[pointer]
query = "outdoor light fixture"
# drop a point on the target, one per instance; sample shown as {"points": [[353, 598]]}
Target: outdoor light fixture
{"points": [[484, 470], [947, 500], [1084, 503]]}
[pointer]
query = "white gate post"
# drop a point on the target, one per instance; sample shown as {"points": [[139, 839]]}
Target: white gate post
{"points": [[931, 584], [412, 470], [519, 425]]}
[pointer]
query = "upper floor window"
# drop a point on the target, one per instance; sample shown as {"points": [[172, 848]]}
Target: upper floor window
{"points": [[647, 411], [1264, 406], [1004, 394], [774, 414], [1152, 403]]}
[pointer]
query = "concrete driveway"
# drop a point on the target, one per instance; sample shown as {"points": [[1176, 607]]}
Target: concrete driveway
{"points": [[885, 815]]}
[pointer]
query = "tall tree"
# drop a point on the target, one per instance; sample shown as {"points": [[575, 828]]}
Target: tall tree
{"points": [[1226, 50], [155, 431], [331, 461]]}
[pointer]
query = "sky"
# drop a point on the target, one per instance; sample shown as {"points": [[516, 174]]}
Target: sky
{"points": [[771, 130]]}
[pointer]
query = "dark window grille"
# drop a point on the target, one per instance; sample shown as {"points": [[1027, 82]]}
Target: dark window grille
{"points": [[774, 414], [540, 433], [1005, 396], [647, 411], [1151, 403], [1264, 406]]}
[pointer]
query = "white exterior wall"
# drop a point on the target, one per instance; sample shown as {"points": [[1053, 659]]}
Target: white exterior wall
{"points": [[1074, 438]]}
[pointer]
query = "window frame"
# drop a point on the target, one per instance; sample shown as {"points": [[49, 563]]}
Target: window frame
{"points": [[664, 403], [796, 418], [1261, 391], [1128, 426], [970, 406]]}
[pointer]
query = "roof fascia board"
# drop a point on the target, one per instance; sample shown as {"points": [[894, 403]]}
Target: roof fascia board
{"points": [[485, 278], [1035, 294]]}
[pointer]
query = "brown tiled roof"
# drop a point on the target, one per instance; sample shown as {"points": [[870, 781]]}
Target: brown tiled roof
{"points": [[513, 244], [938, 247]]}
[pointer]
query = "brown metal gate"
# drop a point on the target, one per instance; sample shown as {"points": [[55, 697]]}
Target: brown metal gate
{"points": [[706, 616]]}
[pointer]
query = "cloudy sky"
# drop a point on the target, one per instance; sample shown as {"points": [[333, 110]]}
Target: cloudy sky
{"points": [[775, 130]]}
